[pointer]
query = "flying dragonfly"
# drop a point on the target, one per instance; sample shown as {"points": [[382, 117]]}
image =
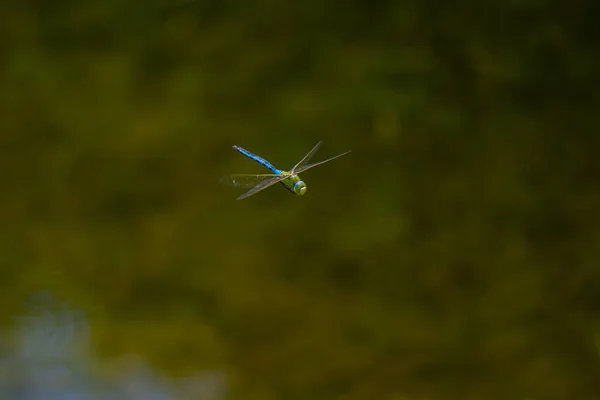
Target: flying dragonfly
{"points": [[289, 179]]}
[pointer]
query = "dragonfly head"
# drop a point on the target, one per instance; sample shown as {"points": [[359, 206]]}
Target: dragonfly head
{"points": [[300, 187]]}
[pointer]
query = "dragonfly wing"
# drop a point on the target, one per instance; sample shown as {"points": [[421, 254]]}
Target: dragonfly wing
{"points": [[246, 180], [263, 185], [309, 166], [308, 156]]}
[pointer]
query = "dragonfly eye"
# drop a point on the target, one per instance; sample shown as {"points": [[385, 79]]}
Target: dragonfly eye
{"points": [[300, 187]]}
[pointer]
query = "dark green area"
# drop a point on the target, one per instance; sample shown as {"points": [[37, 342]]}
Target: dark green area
{"points": [[454, 254]]}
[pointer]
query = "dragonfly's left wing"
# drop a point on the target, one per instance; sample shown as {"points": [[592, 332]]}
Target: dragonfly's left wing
{"points": [[246, 180], [305, 167], [263, 185]]}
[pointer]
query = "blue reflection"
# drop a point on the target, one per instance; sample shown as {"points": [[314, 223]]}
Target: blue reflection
{"points": [[49, 359]]}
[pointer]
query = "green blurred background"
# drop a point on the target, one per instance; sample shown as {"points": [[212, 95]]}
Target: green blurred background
{"points": [[454, 254]]}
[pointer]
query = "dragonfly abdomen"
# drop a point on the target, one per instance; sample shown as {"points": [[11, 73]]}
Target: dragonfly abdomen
{"points": [[258, 159]]}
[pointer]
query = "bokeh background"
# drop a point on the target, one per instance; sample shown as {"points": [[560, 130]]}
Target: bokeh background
{"points": [[454, 254]]}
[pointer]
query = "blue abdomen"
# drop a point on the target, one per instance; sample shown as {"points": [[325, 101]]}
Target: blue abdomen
{"points": [[258, 159]]}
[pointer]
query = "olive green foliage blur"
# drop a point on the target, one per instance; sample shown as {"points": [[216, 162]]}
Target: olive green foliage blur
{"points": [[454, 254]]}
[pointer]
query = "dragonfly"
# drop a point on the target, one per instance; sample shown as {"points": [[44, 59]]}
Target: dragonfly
{"points": [[289, 179]]}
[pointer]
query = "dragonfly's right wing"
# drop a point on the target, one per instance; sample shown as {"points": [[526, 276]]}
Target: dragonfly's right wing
{"points": [[309, 166], [307, 157]]}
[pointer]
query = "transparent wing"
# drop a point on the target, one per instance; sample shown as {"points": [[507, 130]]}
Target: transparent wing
{"points": [[246, 180], [309, 166], [263, 185], [307, 157]]}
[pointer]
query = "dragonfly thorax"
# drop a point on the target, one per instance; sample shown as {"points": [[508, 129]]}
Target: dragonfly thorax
{"points": [[300, 187]]}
